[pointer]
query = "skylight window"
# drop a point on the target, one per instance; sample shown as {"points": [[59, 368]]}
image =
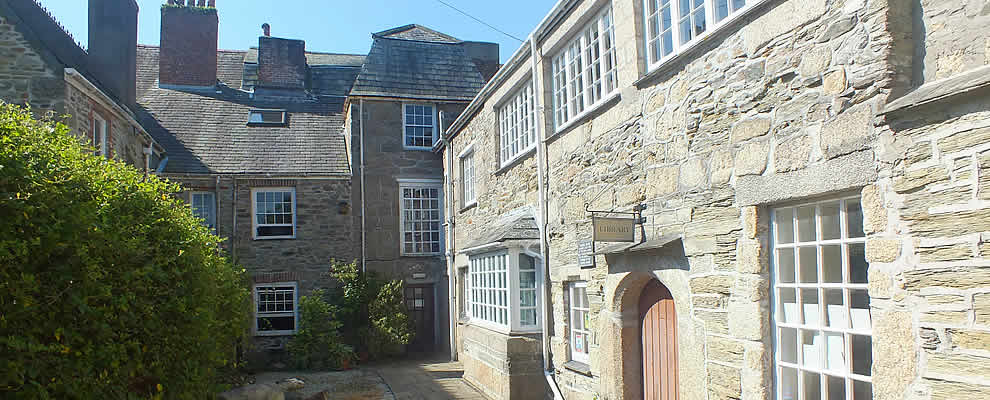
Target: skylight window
{"points": [[266, 117]]}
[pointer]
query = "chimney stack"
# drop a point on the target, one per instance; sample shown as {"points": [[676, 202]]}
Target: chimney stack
{"points": [[188, 54], [281, 63], [113, 46], [485, 57], [266, 29]]}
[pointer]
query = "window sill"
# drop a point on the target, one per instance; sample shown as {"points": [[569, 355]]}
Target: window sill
{"points": [[657, 69], [417, 148], [515, 160], [274, 237], [579, 367], [469, 206], [423, 255], [587, 114], [502, 330], [275, 333]]}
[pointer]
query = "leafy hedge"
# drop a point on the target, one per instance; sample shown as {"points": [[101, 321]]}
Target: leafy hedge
{"points": [[109, 286]]}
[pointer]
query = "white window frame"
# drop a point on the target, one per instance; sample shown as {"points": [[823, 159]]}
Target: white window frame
{"points": [[420, 184], [836, 323], [469, 194], [573, 330], [679, 48], [433, 127], [294, 313], [260, 121], [254, 212], [100, 137], [211, 220], [579, 66], [489, 279], [517, 124]]}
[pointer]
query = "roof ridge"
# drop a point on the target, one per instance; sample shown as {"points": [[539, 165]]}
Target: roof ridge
{"points": [[387, 32]]}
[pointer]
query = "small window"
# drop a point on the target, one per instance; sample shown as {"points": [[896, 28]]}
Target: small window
{"points": [[204, 206], [467, 179], [580, 324], [100, 136], [266, 118], [274, 213], [419, 126], [275, 313], [421, 218]]}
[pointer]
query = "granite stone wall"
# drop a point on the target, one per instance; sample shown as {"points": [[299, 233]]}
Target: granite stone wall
{"points": [[780, 105], [26, 77]]}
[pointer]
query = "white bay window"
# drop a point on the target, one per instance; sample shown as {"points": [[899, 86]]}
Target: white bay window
{"points": [[584, 72], [503, 291], [821, 306], [673, 26]]}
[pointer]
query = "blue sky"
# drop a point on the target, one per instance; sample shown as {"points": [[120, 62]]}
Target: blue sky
{"points": [[333, 25]]}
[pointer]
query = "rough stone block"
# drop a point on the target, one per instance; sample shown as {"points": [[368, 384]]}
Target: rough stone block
{"points": [[874, 214], [749, 128], [895, 357], [958, 364], [751, 159], [709, 301], [661, 181], [792, 154], [750, 221], [814, 61], [747, 320], [920, 178], [879, 283], [693, 173], [712, 284], [950, 277], [848, 132], [725, 350], [834, 82], [751, 259], [721, 167], [968, 339], [981, 308], [929, 338], [779, 20], [945, 317], [953, 252], [715, 321], [949, 390], [882, 250], [939, 299], [723, 382], [964, 140]]}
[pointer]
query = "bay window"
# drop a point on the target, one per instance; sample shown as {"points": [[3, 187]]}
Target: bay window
{"points": [[584, 73], [673, 26], [503, 291], [821, 306]]}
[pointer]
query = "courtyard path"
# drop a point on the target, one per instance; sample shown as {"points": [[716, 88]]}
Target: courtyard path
{"points": [[426, 379]]}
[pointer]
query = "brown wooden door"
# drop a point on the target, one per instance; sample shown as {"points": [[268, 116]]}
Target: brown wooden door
{"points": [[419, 304], [659, 340]]}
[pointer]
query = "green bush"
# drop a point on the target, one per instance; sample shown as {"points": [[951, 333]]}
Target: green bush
{"points": [[318, 344], [371, 308], [109, 286]]}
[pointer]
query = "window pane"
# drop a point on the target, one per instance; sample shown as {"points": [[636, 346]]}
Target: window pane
{"points": [[830, 221], [854, 216], [787, 340], [862, 390], [808, 258], [836, 388], [832, 264], [862, 355], [835, 309], [785, 265], [788, 383], [788, 307], [810, 308], [806, 223], [857, 263], [785, 225], [835, 352]]}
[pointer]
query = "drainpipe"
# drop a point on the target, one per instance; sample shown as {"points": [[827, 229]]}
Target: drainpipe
{"points": [[541, 157], [233, 218], [216, 207], [451, 271], [364, 251]]}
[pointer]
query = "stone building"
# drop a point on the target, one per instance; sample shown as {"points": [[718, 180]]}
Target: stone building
{"points": [[273, 150], [810, 177], [411, 78], [90, 90]]}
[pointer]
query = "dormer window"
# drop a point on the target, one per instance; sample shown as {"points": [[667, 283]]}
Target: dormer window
{"points": [[266, 118]]}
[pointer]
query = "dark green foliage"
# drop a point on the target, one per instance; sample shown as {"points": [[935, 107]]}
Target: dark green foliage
{"points": [[109, 286], [375, 319], [318, 344]]}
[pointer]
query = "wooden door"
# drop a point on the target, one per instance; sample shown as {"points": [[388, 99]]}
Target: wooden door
{"points": [[659, 342], [419, 304]]}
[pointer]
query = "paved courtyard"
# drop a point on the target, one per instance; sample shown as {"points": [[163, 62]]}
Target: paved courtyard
{"points": [[396, 380]]}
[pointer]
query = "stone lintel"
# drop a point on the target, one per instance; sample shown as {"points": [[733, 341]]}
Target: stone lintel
{"points": [[847, 172]]}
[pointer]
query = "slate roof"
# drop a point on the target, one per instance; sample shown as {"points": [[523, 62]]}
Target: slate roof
{"points": [[429, 70], [417, 32], [206, 132], [316, 58]]}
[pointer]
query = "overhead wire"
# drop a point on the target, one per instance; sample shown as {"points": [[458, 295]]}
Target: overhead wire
{"points": [[480, 21]]}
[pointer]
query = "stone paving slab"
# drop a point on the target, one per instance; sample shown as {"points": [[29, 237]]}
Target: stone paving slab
{"points": [[428, 380]]}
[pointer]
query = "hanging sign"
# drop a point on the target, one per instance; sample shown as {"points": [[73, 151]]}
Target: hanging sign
{"points": [[613, 229]]}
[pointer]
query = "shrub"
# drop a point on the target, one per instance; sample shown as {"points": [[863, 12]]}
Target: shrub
{"points": [[318, 344], [371, 308], [109, 286]]}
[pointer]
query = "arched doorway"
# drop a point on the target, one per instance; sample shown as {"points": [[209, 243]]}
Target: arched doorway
{"points": [[658, 333]]}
